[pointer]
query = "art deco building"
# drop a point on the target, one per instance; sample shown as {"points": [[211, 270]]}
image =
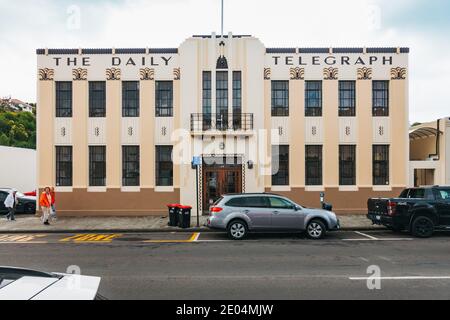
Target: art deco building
{"points": [[118, 128]]}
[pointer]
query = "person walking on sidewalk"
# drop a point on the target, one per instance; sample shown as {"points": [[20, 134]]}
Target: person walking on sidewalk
{"points": [[53, 208], [11, 202], [45, 201]]}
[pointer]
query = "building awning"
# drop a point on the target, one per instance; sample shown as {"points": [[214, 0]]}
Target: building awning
{"points": [[423, 132]]}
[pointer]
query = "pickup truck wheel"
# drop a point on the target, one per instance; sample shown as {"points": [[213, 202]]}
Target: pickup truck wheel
{"points": [[422, 227], [315, 230], [237, 230]]}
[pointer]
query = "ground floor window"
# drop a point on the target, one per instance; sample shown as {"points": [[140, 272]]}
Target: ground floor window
{"points": [[380, 165], [347, 165], [164, 166], [97, 166], [64, 166], [280, 165], [313, 162], [130, 166]]}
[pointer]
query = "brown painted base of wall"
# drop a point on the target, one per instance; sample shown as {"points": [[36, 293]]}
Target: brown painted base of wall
{"points": [[344, 202], [114, 202]]}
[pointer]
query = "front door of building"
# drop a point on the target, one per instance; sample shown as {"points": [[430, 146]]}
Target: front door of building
{"points": [[220, 178]]}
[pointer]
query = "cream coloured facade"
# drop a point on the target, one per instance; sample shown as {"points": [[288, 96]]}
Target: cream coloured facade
{"points": [[118, 128]]}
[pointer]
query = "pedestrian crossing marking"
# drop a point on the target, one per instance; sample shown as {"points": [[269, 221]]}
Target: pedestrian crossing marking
{"points": [[21, 238], [91, 238]]}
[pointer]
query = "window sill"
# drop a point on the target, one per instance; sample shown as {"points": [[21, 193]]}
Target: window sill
{"points": [[348, 188], [130, 189], [382, 188], [96, 189], [280, 188], [164, 189], [63, 189], [314, 188]]}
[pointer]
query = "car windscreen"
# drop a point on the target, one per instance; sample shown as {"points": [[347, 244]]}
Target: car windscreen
{"points": [[4, 282]]}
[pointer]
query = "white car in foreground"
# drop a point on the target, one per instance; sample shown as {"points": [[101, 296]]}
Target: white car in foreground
{"points": [[23, 284]]}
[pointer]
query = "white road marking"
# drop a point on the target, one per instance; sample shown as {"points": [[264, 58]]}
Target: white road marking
{"points": [[385, 239], [366, 235], [403, 278], [195, 237]]}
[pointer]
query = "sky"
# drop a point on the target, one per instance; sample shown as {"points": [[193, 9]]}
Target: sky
{"points": [[422, 25]]}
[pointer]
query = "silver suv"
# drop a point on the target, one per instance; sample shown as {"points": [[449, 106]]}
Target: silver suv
{"points": [[243, 213]]}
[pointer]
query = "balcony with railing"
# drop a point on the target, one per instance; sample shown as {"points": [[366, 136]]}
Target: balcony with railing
{"points": [[222, 123]]}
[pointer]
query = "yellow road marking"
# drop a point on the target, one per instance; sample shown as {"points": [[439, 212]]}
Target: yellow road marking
{"points": [[91, 238], [21, 238], [193, 238]]}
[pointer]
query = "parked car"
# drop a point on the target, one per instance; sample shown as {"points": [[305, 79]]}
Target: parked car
{"points": [[27, 204], [240, 214], [420, 211], [24, 284], [31, 193]]}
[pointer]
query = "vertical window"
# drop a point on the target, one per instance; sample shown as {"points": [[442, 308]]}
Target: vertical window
{"points": [[164, 98], [347, 165], [280, 165], [380, 165], [313, 164], [130, 99], [97, 99], [222, 100], [164, 166], [237, 100], [64, 166], [347, 97], [280, 98], [63, 99], [97, 166], [206, 100], [313, 98], [380, 98], [130, 166]]}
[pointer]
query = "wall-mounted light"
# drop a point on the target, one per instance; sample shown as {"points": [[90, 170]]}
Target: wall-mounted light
{"points": [[250, 164]]}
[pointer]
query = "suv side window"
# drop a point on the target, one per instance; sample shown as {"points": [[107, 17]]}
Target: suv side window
{"points": [[256, 202], [3, 196], [443, 194], [236, 202], [404, 194], [279, 203], [417, 194]]}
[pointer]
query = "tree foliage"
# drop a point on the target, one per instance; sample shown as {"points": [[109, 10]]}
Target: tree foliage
{"points": [[17, 129]]}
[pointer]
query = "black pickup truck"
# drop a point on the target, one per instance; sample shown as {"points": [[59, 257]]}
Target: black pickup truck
{"points": [[420, 211]]}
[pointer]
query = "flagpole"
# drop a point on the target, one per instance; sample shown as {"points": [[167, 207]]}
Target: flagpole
{"points": [[222, 19]]}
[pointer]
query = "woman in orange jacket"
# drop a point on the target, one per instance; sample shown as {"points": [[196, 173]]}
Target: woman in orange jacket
{"points": [[45, 201]]}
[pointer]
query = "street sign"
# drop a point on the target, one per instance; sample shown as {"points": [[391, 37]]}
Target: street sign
{"points": [[197, 161]]}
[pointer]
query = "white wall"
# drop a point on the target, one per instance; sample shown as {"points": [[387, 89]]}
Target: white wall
{"points": [[17, 168]]}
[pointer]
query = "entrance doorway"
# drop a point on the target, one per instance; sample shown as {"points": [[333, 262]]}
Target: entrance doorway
{"points": [[221, 175]]}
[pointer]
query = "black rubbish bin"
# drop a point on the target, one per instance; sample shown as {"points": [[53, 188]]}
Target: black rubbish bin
{"points": [[184, 217], [173, 214]]}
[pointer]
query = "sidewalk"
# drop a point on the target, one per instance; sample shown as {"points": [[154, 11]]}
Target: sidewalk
{"points": [[31, 224]]}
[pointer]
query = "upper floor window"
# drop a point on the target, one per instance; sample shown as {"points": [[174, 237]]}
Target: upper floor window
{"points": [[206, 92], [222, 100], [63, 99], [313, 98], [347, 97], [97, 99], [164, 98], [130, 99], [237, 100], [380, 98], [280, 98]]}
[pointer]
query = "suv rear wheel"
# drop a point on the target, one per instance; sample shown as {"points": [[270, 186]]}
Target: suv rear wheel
{"points": [[237, 230], [316, 229], [422, 227]]}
